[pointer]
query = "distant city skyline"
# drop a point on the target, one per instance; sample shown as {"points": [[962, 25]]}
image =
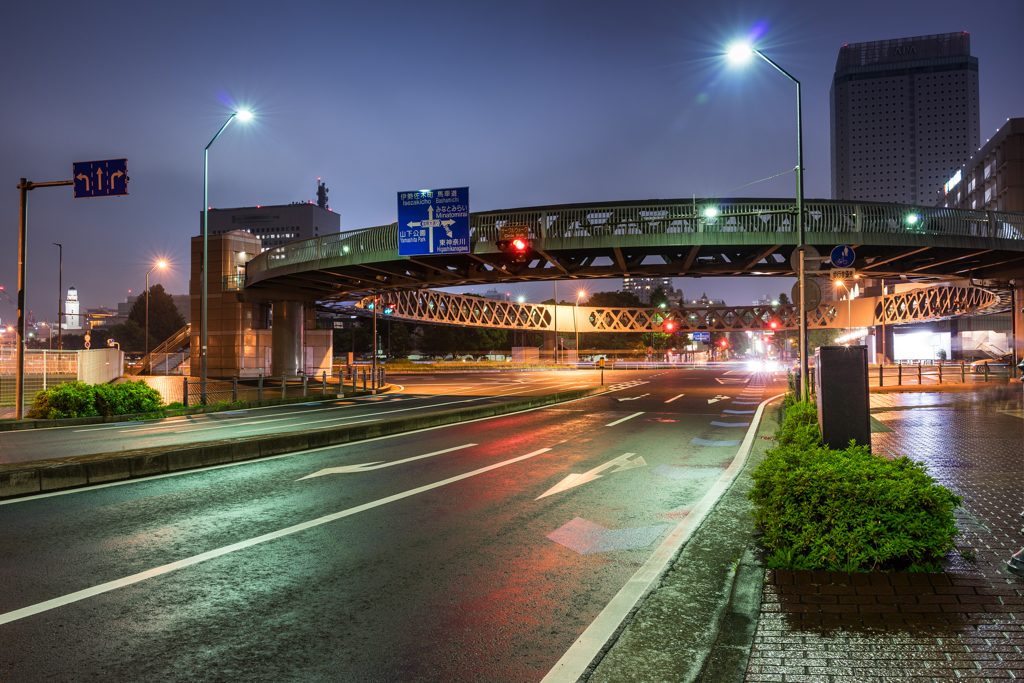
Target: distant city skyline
{"points": [[526, 107]]}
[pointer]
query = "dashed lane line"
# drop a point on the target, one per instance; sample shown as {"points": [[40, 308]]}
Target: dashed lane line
{"points": [[612, 424]]}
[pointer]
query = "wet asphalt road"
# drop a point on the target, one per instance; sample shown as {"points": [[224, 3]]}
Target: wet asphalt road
{"points": [[426, 556], [414, 395]]}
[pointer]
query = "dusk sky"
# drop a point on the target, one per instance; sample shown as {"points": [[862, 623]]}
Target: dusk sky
{"points": [[527, 103]]}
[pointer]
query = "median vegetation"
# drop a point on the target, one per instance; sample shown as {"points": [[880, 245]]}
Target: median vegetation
{"points": [[78, 399], [847, 510]]}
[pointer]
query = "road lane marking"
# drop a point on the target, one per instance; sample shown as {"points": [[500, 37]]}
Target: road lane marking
{"points": [[313, 422], [620, 464], [367, 466], [78, 596], [577, 658], [720, 397], [632, 398], [730, 424], [674, 398], [612, 424]]}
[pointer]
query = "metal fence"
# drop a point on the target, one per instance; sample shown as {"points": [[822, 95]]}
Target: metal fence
{"points": [[43, 369], [938, 372]]}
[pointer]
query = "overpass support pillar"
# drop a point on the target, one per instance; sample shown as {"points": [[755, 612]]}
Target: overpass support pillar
{"points": [[1018, 320], [287, 338]]}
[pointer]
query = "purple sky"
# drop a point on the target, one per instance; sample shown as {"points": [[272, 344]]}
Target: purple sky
{"points": [[527, 103]]}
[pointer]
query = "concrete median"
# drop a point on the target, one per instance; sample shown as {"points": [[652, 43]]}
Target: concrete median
{"points": [[43, 476]]}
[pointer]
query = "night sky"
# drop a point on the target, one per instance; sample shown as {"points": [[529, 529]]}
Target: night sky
{"points": [[527, 103]]}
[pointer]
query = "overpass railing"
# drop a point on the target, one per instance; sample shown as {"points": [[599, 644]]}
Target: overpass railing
{"points": [[654, 218]]}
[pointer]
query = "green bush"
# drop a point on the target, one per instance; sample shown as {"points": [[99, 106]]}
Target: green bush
{"points": [[847, 510], [126, 398], [71, 399]]}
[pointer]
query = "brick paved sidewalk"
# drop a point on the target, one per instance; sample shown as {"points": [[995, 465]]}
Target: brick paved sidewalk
{"points": [[967, 622]]}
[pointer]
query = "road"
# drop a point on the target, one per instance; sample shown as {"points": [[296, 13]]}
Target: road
{"points": [[478, 551], [414, 395]]}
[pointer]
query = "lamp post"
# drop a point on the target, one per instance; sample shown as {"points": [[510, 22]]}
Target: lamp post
{"points": [[575, 324], [849, 315], [160, 264], [244, 115], [740, 53], [60, 300]]}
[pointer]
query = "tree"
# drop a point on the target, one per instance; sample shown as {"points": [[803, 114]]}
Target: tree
{"points": [[658, 297], [826, 337], [401, 340], [615, 300], [129, 335], [164, 317], [357, 333], [783, 299]]}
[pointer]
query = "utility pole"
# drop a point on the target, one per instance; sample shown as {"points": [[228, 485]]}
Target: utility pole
{"points": [[60, 301]]}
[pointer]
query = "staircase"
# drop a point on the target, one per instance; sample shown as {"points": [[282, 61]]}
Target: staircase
{"points": [[160, 358]]}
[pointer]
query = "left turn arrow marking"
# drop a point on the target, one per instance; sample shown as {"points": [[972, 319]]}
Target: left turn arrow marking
{"points": [[367, 466], [620, 464]]}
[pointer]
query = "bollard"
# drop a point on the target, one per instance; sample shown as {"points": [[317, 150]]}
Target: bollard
{"points": [[963, 378], [234, 388], [259, 390], [899, 374], [940, 371], [305, 379], [986, 372], [364, 379], [284, 384], [881, 381], [184, 391], [324, 385], [353, 380], [918, 372]]}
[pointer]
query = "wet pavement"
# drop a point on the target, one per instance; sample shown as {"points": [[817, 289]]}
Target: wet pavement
{"points": [[964, 623]]}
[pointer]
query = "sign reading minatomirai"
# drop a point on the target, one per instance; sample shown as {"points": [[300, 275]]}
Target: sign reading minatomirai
{"points": [[433, 222]]}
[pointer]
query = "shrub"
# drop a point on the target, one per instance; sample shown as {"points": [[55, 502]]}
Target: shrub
{"points": [[127, 398], [847, 510], [71, 399]]}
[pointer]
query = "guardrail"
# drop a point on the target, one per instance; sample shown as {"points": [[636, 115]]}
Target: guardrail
{"points": [[659, 218]]}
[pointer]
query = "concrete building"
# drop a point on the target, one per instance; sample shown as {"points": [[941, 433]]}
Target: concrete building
{"points": [[904, 117], [275, 226], [643, 286], [494, 295], [993, 178], [72, 319]]}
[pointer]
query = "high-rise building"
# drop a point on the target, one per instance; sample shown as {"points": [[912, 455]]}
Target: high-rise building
{"points": [[643, 286], [993, 178], [72, 320], [904, 117]]}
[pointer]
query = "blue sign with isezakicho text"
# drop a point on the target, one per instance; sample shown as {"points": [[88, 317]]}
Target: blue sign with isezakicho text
{"points": [[433, 222]]}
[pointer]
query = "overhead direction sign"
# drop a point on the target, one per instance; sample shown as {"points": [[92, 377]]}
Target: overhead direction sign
{"points": [[842, 257], [702, 336], [107, 178], [433, 222]]}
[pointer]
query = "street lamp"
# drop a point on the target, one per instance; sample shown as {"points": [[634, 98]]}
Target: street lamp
{"points": [[575, 324], [740, 53], [60, 299], [160, 264], [242, 115]]}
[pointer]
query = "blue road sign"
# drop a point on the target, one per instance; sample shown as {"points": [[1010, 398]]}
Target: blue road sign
{"points": [[702, 336], [107, 178], [433, 222], [842, 257]]}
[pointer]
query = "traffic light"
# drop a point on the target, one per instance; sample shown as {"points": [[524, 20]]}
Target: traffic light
{"points": [[723, 343], [367, 303], [766, 339], [388, 308], [669, 326], [515, 242], [774, 325]]}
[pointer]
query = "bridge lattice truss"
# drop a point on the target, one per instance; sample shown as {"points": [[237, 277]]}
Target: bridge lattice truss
{"points": [[919, 305]]}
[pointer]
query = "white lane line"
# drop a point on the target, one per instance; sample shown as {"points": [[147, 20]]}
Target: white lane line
{"points": [[674, 398], [577, 658], [612, 424], [367, 466], [78, 596], [313, 422], [242, 463]]}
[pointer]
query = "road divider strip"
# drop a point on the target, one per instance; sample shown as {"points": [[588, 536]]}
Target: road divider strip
{"points": [[578, 658], [18, 480]]}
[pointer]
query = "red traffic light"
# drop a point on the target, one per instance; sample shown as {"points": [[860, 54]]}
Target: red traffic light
{"points": [[519, 244], [723, 342], [773, 324], [765, 339], [669, 326]]}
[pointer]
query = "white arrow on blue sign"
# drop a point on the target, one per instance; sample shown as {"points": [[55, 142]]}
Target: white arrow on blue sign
{"points": [[433, 222], [842, 257]]}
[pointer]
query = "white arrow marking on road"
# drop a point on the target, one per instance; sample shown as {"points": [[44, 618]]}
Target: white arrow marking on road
{"points": [[633, 398], [717, 398], [674, 398], [367, 466], [620, 463]]}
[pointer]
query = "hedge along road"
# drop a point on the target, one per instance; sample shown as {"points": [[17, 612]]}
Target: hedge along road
{"points": [[411, 397], [475, 551]]}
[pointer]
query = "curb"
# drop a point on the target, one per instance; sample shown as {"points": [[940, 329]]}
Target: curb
{"points": [[19, 425], [44, 476], [951, 387]]}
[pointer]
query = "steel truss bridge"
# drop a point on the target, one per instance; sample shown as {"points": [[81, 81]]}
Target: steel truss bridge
{"points": [[676, 238], [918, 305]]}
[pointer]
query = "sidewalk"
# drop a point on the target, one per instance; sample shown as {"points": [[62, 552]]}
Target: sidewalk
{"points": [[966, 622]]}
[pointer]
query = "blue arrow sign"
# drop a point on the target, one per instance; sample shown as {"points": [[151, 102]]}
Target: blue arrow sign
{"points": [[107, 178], [842, 257], [433, 222]]}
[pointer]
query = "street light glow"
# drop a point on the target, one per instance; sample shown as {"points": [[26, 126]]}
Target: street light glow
{"points": [[243, 114], [162, 264], [739, 53], [912, 218], [711, 212]]}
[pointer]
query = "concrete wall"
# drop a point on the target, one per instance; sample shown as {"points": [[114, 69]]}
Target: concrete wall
{"points": [[99, 366]]}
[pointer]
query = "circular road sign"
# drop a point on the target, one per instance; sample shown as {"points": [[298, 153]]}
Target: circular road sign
{"points": [[812, 259], [87, 344], [812, 294], [842, 257]]}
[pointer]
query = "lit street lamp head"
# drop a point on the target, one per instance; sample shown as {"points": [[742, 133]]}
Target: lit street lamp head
{"points": [[243, 114], [740, 53], [162, 264]]}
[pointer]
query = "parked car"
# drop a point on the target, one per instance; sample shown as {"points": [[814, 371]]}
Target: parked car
{"points": [[999, 363]]}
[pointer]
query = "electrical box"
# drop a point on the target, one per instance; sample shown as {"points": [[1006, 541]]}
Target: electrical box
{"points": [[841, 381]]}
